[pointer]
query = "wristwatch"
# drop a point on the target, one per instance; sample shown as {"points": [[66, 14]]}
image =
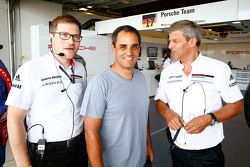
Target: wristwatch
{"points": [[214, 119]]}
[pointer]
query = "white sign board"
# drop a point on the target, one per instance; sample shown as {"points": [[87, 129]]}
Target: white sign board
{"points": [[244, 10], [222, 11]]}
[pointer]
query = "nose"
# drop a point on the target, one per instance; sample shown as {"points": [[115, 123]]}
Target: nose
{"points": [[129, 51], [170, 45], [70, 40]]}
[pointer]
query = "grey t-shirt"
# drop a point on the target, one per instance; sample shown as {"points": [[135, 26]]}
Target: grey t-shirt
{"points": [[123, 107]]}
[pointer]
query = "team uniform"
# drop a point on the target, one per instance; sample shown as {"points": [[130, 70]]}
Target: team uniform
{"points": [[51, 99], [122, 105], [167, 62], [209, 81], [5, 84], [202, 92]]}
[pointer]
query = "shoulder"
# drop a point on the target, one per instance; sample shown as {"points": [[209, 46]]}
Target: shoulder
{"points": [[172, 66], [36, 67], [101, 77], [137, 72], [79, 65], [100, 82], [38, 63], [214, 67], [2, 64], [41, 60], [218, 63]]}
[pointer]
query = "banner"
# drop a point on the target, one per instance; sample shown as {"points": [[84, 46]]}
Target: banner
{"points": [[217, 12], [222, 11]]}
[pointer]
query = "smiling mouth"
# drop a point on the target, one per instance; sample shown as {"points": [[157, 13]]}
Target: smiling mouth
{"points": [[68, 48], [128, 58]]}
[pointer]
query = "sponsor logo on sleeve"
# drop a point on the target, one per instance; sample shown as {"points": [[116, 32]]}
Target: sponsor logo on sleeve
{"points": [[15, 84], [232, 84], [231, 77], [18, 86], [17, 78]]}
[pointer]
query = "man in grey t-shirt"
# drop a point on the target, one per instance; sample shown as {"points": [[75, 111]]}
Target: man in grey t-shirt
{"points": [[115, 108]]}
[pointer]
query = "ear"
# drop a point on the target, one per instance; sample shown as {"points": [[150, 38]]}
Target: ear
{"points": [[193, 41], [113, 49], [50, 38]]}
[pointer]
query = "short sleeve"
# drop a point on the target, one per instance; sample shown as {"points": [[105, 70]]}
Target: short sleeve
{"points": [[21, 93], [228, 87], [94, 101], [161, 90]]}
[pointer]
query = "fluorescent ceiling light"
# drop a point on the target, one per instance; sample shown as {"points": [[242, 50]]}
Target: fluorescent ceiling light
{"points": [[88, 13], [83, 9], [236, 22]]}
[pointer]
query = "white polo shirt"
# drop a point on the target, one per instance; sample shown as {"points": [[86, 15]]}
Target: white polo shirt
{"points": [[167, 62], [37, 88], [209, 81]]}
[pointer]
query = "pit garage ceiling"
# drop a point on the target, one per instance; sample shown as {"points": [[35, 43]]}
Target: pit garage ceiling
{"points": [[123, 8]]}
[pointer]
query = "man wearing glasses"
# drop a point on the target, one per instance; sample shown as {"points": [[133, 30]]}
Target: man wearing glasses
{"points": [[46, 94], [115, 108]]}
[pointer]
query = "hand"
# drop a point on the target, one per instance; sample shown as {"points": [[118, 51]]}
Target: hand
{"points": [[159, 68], [150, 152], [198, 124], [174, 120]]}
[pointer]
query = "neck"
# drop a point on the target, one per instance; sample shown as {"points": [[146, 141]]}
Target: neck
{"points": [[190, 58], [187, 61], [125, 73], [64, 62]]}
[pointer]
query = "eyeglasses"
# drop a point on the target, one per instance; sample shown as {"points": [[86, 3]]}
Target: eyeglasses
{"points": [[66, 36]]}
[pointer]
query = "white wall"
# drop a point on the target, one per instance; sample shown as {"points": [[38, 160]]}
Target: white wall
{"points": [[40, 12], [143, 60], [98, 59], [244, 12], [33, 12], [218, 51], [240, 57], [4, 39]]}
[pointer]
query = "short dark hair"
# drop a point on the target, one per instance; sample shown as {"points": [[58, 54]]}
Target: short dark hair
{"points": [[64, 19], [188, 28], [126, 28]]}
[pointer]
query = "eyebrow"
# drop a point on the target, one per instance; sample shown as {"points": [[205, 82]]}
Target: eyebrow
{"points": [[136, 44]]}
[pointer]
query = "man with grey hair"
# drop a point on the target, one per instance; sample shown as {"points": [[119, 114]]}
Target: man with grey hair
{"points": [[190, 97]]}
